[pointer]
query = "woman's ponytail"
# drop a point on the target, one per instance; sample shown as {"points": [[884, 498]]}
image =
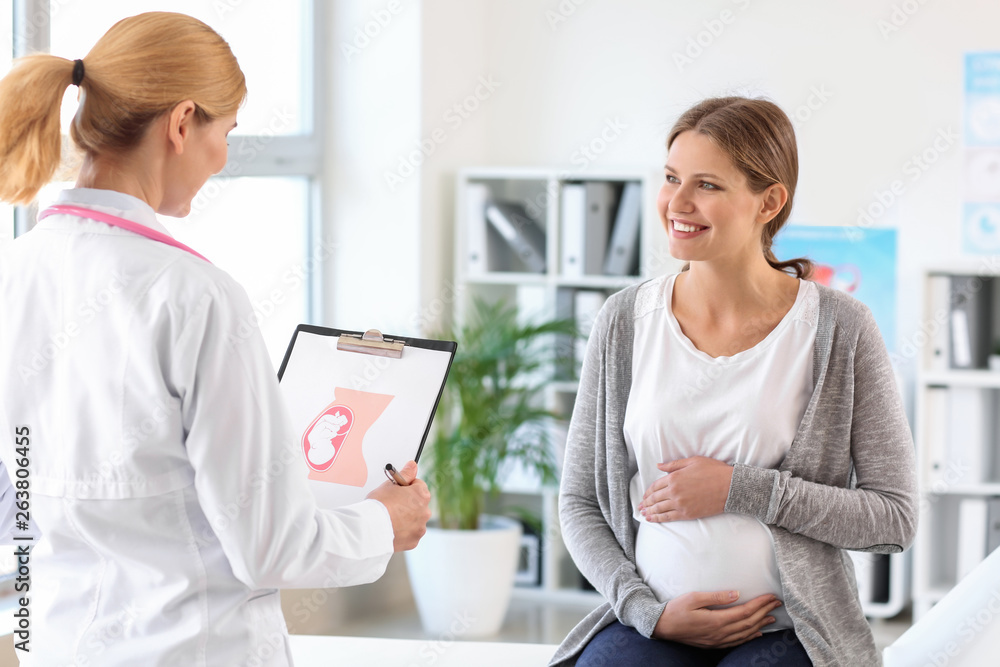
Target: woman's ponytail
{"points": [[30, 102], [141, 68]]}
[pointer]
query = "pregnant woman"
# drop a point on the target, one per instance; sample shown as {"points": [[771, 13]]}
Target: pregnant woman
{"points": [[737, 428]]}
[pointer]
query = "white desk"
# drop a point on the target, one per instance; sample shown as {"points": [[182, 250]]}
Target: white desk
{"points": [[317, 651]]}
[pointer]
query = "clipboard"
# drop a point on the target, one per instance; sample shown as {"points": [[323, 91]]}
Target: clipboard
{"points": [[359, 400]]}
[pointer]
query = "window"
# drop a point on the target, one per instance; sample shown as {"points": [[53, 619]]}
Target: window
{"points": [[6, 51], [256, 219]]}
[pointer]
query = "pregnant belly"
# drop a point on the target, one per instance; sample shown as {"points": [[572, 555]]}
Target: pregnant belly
{"points": [[720, 553]]}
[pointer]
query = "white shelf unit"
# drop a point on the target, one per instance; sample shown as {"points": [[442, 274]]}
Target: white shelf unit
{"points": [[545, 294], [943, 484]]}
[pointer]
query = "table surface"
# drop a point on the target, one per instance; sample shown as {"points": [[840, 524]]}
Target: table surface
{"points": [[316, 651]]}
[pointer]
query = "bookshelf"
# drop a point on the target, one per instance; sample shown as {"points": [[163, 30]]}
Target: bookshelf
{"points": [[486, 266], [957, 427]]}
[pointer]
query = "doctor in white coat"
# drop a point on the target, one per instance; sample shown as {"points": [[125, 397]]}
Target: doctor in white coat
{"points": [[161, 463]]}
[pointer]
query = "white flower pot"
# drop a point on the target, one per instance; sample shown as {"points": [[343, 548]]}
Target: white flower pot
{"points": [[994, 362], [462, 579]]}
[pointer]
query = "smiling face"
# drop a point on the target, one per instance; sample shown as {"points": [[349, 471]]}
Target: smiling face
{"points": [[205, 153], [706, 206]]}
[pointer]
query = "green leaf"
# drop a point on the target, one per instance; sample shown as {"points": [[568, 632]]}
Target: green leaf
{"points": [[491, 412]]}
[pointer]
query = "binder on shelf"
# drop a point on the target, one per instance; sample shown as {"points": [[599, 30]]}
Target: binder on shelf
{"points": [[939, 294], [586, 305], [573, 220], [972, 526], [969, 421], [529, 558], [565, 353], [993, 525], [525, 238], [935, 438], [971, 319], [623, 251], [864, 575], [476, 247], [532, 307], [599, 214]]}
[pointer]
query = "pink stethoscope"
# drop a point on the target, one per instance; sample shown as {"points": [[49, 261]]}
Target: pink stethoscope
{"points": [[115, 221]]}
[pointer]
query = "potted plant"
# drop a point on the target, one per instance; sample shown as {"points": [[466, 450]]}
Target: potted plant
{"points": [[489, 419]]}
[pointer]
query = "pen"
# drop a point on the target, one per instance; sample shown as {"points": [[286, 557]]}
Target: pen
{"points": [[394, 475]]}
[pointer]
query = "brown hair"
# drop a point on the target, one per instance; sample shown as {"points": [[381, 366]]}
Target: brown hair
{"points": [[141, 68], [759, 139]]}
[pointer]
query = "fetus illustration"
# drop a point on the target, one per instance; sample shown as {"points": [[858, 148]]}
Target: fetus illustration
{"points": [[332, 444]]}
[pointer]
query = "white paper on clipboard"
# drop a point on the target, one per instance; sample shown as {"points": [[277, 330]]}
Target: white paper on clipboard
{"points": [[354, 412]]}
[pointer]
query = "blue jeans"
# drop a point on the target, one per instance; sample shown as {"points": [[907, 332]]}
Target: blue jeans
{"points": [[619, 644]]}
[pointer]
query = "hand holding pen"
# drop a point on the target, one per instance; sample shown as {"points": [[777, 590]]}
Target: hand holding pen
{"points": [[394, 476], [408, 502]]}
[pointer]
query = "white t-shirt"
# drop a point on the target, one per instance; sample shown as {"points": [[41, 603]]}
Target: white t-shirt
{"points": [[745, 408]]}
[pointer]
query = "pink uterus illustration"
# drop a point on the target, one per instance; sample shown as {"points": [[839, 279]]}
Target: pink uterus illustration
{"points": [[332, 444]]}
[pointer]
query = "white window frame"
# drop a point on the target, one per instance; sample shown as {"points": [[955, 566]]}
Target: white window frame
{"points": [[289, 155]]}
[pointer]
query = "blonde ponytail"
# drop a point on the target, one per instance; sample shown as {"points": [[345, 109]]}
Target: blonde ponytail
{"points": [[30, 99], [141, 68]]}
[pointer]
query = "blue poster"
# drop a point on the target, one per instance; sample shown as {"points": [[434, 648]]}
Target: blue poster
{"points": [[981, 227], [859, 261], [982, 99], [981, 211]]}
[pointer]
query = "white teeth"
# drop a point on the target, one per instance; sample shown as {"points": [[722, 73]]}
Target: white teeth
{"points": [[681, 227]]}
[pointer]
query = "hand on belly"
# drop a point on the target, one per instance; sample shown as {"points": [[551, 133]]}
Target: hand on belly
{"points": [[690, 619], [728, 552], [693, 488]]}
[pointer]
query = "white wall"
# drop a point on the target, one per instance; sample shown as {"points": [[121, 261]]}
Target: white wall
{"points": [[373, 99]]}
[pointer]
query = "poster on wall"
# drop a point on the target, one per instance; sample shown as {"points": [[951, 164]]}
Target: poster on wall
{"points": [[981, 210], [856, 260]]}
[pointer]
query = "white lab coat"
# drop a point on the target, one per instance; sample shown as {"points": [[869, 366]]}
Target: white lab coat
{"points": [[165, 473]]}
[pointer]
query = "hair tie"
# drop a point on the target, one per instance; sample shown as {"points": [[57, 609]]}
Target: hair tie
{"points": [[77, 72]]}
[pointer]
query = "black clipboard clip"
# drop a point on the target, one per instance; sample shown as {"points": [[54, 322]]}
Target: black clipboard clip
{"points": [[371, 342]]}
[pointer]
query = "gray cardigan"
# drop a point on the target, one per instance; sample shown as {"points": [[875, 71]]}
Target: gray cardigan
{"points": [[847, 482]]}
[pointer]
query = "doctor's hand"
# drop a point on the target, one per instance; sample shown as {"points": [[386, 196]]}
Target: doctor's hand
{"points": [[689, 620], [693, 488], [409, 507]]}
